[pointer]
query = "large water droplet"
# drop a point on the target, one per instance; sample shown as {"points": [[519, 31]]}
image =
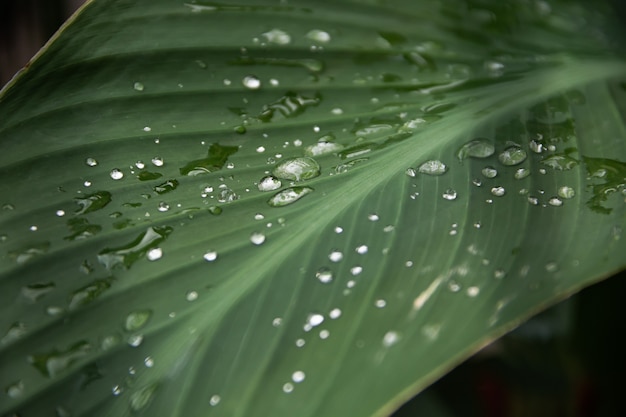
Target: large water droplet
{"points": [[257, 238], [433, 167], [521, 173], [560, 162], [251, 82], [566, 192], [297, 169], [269, 183], [513, 155], [92, 202], [498, 191], [288, 196], [477, 148], [137, 319], [315, 319]]}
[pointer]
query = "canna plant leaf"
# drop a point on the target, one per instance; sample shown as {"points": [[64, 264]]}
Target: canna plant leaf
{"points": [[309, 208]]}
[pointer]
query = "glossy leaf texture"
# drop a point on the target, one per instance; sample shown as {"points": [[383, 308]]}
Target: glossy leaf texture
{"points": [[310, 208]]}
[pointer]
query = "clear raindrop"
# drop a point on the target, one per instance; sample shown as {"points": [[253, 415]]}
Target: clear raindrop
{"points": [[269, 183], [324, 275], [498, 191], [513, 155], [489, 172], [297, 169], [116, 174], [257, 238], [251, 82], [433, 167], [477, 148], [566, 192], [450, 195]]}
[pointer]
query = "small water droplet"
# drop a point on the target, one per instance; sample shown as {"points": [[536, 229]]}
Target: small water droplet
{"points": [[411, 172], [287, 387], [288, 196], [324, 275], [473, 291], [566, 192], [433, 167], [521, 173], [251, 82], [533, 200], [257, 238], [338, 230], [269, 183], [449, 195], [361, 249], [499, 273], [277, 322], [157, 161], [390, 338], [335, 256], [335, 313], [356, 270], [116, 390], [191, 296], [489, 172], [137, 320], [552, 267], [138, 86], [116, 174], [315, 320], [215, 400], [555, 201], [148, 361], [226, 195], [477, 148], [319, 36], [498, 191], [324, 334], [135, 340], [298, 376], [297, 169], [142, 397], [210, 256], [373, 217], [277, 36], [300, 342], [91, 162], [380, 303], [155, 254], [163, 206], [15, 390], [513, 155]]}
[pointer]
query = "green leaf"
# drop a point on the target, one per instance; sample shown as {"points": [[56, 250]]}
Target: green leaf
{"points": [[301, 258]]}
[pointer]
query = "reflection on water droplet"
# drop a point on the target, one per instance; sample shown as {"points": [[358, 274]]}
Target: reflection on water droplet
{"points": [[498, 191], [269, 183], [298, 376], [489, 172], [297, 169], [91, 162], [277, 36], [215, 400], [251, 82], [433, 167], [210, 256], [449, 194], [257, 238], [513, 155], [335, 256], [116, 174], [477, 148], [566, 192], [324, 275], [137, 319]]}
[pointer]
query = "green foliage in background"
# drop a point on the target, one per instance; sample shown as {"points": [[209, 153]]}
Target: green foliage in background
{"points": [[305, 208]]}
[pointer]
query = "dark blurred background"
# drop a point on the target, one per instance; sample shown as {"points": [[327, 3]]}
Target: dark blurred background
{"points": [[569, 361]]}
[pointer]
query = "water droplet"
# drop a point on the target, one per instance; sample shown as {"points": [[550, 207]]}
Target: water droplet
{"points": [[300, 342], [154, 254], [513, 155], [373, 217], [489, 172], [449, 194], [15, 390], [191, 296], [559, 162], [390, 338], [138, 86], [287, 387], [323, 147], [555, 201], [315, 320], [380, 303], [226, 195], [288, 196], [566, 192], [298, 377], [335, 256], [477, 148], [55, 362], [319, 36], [148, 361], [533, 200], [433, 167], [338, 230], [324, 334], [257, 238], [521, 173], [129, 254], [411, 172], [34, 292], [277, 36], [210, 256], [473, 291], [361, 250], [297, 169], [324, 275], [137, 320], [552, 267], [91, 162], [499, 273], [163, 206], [116, 174], [215, 400], [498, 191], [269, 183], [335, 313], [251, 82], [60, 213], [147, 129], [356, 270], [157, 161], [116, 390]]}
